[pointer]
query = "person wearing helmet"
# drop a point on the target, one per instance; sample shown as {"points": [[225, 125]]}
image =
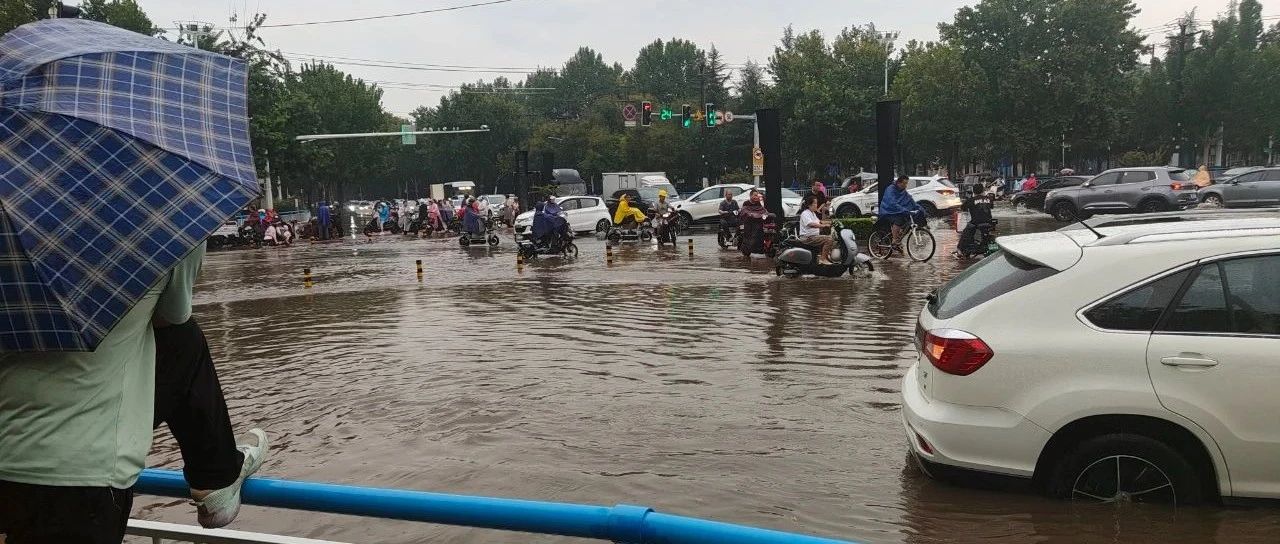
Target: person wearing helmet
{"points": [[663, 205]]}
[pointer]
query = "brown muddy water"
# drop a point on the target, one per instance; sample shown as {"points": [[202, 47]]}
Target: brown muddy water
{"points": [[702, 386]]}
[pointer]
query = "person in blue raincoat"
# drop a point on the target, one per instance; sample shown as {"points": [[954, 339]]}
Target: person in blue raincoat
{"points": [[471, 219], [898, 208], [542, 225], [323, 215], [384, 214]]}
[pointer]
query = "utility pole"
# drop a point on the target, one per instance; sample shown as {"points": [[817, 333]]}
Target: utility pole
{"points": [[1179, 66], [1271, 140], [1221, 141], [702, 132]]}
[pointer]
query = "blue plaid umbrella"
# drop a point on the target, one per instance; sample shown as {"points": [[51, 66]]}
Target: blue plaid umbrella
{"points": [[119, 154]]}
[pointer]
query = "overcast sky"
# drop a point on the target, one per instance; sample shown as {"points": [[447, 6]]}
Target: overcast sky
{"points": [[523, 34]]}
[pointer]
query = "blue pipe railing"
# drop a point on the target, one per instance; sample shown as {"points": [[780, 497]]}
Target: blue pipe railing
{"points": [[621, 523]]}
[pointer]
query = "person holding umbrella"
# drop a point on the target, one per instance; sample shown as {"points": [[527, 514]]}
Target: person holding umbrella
{"points": [[96, 325]]}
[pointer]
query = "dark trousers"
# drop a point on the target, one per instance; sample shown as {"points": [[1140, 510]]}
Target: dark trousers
{"points": [[43, 514], [189, 399]]}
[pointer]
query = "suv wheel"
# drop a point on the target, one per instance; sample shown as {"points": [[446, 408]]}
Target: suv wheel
{"points": [[929, 209], [1151, 205], [683, 220], [1125, 467], [1212, 200], [1065, 212]]}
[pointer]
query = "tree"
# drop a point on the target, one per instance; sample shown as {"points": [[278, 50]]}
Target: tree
{"points": [[1250, 27], [943, 107], [125, 14], [669, 71], [15, 13], [584, 78], [1052, 68]]}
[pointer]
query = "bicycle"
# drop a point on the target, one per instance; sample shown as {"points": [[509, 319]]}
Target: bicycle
{"points": [[917, 240]]}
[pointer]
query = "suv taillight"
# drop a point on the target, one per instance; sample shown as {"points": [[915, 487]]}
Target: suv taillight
{"points": [[946, 192], [1175, 186], [955, 352]]}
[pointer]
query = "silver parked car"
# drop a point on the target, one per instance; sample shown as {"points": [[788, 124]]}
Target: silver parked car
{"points": [[1121, 190], [1255, 187]]}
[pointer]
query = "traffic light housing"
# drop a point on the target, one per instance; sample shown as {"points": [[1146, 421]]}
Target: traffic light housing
{"points": [[61, 11], [646, 113], [712, 119], [686, 116]]}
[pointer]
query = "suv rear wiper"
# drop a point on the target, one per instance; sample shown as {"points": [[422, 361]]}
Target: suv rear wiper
{"points": [[932, 297]]}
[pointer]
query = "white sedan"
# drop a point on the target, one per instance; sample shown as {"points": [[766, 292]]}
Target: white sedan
{"points": [[935, 194], [790, 201], [585, 214], [704, 206]]}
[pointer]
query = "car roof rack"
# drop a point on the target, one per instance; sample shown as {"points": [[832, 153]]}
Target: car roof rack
{"points": [[1105, 221]]}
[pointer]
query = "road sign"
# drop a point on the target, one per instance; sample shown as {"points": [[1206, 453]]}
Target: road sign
{"points": [[408, 139], [629, 114], [727, 117], [757, 161]]}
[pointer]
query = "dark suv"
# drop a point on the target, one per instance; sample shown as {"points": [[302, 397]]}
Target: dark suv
{"points": [[1034, 199], [1121, 190]]}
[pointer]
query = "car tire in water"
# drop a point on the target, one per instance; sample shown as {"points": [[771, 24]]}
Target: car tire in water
{"points": [[614, 236], [1065, 212], [1151, 205], [1212, 200], [464, 241], [683, 221], [602, 225], [1124, 467], [929, 209]]}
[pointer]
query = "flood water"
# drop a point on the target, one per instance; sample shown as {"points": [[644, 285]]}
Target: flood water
{"points": [[702, 386]]}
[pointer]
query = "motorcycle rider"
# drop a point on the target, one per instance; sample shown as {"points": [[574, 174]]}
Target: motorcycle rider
{"points": [[979, 207], [811, 229], [626, 211], [660, 209], [728, 210], [752, 216], [898, 208]]}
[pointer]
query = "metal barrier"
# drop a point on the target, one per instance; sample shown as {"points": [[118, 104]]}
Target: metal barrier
{"points": [[621, 523]]}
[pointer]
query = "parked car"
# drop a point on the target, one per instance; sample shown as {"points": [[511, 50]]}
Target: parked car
{"points": [[1129, 360], [704, 206], [1255, 187], [1232, 172], [642, 198], [584, 213], [1034, 200], [495, 202], [936, 195], [790, 201], [1121, 190]]}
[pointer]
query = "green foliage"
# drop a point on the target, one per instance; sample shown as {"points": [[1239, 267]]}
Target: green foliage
{"points": [[862, 227], [122, 13], [944, 107], [1139, 158]]}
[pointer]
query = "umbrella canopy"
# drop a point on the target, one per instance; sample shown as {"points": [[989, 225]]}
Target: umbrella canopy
{"points": [[119, 154]]}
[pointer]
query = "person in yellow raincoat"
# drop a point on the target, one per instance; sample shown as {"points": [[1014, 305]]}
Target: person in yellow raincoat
{"points": [[625, 210], [1203, 179]]}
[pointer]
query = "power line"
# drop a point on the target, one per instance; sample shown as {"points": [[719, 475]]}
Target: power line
{"points": [[390, 15], [417, 68], [410, 63]]}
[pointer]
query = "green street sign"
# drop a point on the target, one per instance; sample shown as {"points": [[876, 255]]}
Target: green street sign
{"points": [[408, 139]]}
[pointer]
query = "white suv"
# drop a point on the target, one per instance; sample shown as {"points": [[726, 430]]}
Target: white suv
{"points": [[935, 194], [704, 206], [1137, 361]]}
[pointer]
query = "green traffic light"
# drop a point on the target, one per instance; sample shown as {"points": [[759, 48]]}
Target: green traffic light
{"points": [[687, 122]]}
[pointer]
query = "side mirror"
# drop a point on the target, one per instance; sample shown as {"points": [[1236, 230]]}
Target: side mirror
{"points": [[1087, 184]]}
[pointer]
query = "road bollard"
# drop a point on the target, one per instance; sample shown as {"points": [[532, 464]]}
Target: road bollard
{"points": [[691, 247], [419, 262], [519, 262], [608, 254], [306, 278]]}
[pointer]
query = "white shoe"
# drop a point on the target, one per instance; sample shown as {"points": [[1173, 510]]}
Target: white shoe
{"points": [[219, 507]]}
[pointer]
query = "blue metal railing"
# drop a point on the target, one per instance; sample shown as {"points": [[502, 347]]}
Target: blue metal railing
{"points": [[621, 523]]}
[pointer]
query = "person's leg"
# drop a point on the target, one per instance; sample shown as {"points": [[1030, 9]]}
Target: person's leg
{"points": [[37, 514], [189, 398]]}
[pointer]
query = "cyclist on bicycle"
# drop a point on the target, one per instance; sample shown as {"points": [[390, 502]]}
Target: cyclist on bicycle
{"points": [[899, 209]]}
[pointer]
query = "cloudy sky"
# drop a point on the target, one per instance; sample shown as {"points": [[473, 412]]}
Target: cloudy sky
{"points": [[517, 35]]}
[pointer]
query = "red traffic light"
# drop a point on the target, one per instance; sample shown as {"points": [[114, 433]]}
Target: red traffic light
{"points": [[646, 113]]}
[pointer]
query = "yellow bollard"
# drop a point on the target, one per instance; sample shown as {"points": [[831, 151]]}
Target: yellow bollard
{"points": [[306, 278], [691, 247], [419, 262], [608, 254], [519, 262]]}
